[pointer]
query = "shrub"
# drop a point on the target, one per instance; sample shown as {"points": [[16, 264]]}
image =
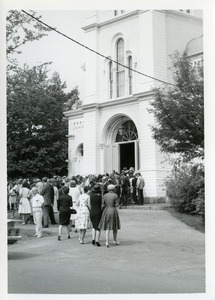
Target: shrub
{"points": [[185, 187]]}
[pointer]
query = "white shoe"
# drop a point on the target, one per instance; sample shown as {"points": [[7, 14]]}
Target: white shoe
{"points": [[115, 243]]}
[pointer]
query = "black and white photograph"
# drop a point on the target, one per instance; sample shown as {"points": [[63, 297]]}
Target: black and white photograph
{"points": [[107, 150]]}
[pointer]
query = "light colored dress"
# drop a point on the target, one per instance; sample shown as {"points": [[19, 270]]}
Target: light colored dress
{"points": [[24, 203], [74, 192], [83, 215], [110, 217], [56, 197]]}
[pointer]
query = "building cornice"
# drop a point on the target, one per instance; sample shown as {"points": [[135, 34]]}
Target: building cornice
{"points": [[118, 102], [131, 100], [111, 21], [74, 113], [145, 96], [124, 16], [182, 16]]}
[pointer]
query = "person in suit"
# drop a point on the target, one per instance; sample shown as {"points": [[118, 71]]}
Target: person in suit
{"points": [[37, 208], [140, 186], [134, 185], [48, 195], [125, 189], [51, 212]]}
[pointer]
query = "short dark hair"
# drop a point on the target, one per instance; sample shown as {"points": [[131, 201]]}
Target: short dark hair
{"points": [[25, 184], [65, 190], [86, 189]]}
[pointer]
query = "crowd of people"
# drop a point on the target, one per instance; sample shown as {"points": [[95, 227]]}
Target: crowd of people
{"points": [[90, 202]]}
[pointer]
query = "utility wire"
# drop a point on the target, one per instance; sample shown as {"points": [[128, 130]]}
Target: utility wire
{"points": [[82, 45]]}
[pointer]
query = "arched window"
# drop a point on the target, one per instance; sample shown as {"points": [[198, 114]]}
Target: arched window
{"points": [[111, 80], [127, 132], [120, 73], [130, 75], [80, 150]]}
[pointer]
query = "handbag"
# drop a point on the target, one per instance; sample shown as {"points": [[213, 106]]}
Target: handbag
{"points": [[73, 211]]}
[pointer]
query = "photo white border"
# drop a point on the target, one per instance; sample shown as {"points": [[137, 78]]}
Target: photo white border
{"points": [[208, 7]]}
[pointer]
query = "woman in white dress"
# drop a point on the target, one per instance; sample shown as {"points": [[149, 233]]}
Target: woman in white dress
{"points": [[24, 203], [74, 192], [83, 214], [56, 197]]}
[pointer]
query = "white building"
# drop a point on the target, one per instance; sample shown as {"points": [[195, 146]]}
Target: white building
{"points": [[111, 129]]}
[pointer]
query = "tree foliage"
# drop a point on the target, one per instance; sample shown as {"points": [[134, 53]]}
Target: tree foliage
{"points": [[36, 127], [21, 28], [185, 187], [179, 110]]}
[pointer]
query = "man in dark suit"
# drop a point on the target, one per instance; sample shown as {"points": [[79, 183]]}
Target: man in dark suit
{"points": [[48, 195], [125, 189], [51, 212], [140, 186], [134, 185]]}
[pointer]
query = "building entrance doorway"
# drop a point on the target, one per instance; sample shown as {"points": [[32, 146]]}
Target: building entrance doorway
{"points": [[127, 155], [123, 147]]}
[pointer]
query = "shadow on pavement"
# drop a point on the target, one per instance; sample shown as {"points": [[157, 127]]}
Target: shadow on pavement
{"points": [[21, 255]]}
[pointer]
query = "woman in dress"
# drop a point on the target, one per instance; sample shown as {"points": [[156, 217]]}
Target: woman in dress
{"points": [[74, 192], [82, 221], [63, 204], [56, 196], [24, 203], [110, 217], [95, 213]]}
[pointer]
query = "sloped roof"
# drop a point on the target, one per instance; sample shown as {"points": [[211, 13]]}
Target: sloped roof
{"points": [[195, 46]]}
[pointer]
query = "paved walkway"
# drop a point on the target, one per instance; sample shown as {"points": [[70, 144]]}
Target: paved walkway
{"points": [[157, 254]]}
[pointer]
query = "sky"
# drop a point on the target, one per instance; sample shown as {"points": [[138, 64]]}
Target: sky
{"points": [[66, 56]]}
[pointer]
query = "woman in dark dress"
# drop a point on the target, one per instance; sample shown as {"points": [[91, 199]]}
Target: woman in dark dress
{"points": [[110, 217], [95, 213], [63, 205]]}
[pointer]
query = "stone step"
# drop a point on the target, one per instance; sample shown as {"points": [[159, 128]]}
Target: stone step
{"points": [[158, 206]]}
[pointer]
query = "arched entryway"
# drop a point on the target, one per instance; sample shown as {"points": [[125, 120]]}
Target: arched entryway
{"points": [[121, 144]]}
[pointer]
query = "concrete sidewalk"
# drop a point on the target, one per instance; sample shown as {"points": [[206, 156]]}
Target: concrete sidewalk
{"points": [[157, 254]]}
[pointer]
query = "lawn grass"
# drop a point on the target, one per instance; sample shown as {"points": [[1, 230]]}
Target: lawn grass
{"points": [[195, 222]]}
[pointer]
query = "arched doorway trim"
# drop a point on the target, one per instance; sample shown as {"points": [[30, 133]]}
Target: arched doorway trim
{"points": [[114, 149]]}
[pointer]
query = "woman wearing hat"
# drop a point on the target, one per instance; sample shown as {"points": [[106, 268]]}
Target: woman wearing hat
{"points": [[74, 192], [110, 217], [95, 213], [64, 204]]}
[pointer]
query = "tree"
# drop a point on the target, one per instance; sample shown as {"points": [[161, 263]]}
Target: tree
{"points": [[21, 28], [36, 127], [179, 110], [73, 101]]}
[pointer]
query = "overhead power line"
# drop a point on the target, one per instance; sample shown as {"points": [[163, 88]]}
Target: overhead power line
{"points": [[82, 45]]}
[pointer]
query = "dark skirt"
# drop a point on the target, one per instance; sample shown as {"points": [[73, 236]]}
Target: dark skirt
{"points": [[95, 218], [64, 217]]}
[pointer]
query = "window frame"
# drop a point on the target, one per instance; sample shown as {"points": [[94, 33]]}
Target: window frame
{"points": [[120, 71]]}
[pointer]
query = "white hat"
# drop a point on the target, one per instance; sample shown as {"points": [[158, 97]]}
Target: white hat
{"points": [[111, 187]]}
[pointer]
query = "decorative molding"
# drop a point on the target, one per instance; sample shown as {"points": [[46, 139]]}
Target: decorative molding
{"points": [[131, 100], [70, 136], [74, 113], [181, 15], [115, 19]]}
